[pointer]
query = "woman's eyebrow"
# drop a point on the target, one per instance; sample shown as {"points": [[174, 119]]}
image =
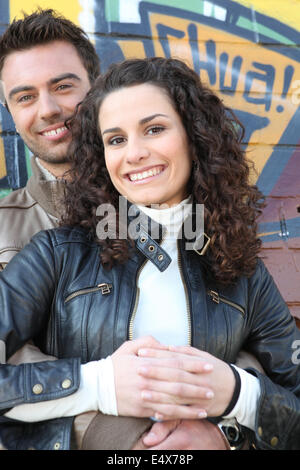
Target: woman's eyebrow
{"points": [[149, 118], [142, 121]]}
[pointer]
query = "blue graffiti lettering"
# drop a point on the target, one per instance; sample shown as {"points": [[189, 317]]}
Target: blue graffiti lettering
{"points": [[267, 77]]}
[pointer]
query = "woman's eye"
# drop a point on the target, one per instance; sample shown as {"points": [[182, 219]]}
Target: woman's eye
{"points": [[116, 140], [155, 130]]}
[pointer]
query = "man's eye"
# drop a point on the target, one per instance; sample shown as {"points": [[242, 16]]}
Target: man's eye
{"points": [[24, 98], [64, 86]]}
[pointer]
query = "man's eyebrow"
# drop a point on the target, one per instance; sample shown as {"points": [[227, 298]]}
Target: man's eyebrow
{"points": [[18, 89], [64, 76], [52, 81], [142, 121]]}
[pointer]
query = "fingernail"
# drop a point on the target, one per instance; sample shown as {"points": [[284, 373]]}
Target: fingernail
{"points": [[150, 436], [209, 394], [146, 394], [208, 367], [142, 352], [202, 414]]}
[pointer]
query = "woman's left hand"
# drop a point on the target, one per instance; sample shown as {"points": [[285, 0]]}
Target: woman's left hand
{"points": [[178, 377]]}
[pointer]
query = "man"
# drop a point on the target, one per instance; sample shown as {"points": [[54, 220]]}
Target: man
{"points": [[47, 66]]}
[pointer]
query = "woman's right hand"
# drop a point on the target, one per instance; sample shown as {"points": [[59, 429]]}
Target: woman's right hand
{"points": [[128, 382]]}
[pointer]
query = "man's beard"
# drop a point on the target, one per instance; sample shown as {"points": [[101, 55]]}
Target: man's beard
{"points": [[49, 156]]}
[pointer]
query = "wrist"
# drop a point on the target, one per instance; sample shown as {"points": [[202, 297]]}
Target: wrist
{"points": [[236, 391]]}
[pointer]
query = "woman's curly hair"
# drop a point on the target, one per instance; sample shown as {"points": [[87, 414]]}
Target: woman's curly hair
{"points": [[220, 170]]}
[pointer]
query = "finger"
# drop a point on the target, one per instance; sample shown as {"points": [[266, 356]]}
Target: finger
{"points": [[159, 432], [188, 350], [143, 342], [172, 411], [177, 361], [179, 394], [165, 374]]}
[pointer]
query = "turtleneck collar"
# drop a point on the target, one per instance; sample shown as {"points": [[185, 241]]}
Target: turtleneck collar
{"points": [[170, 218]]}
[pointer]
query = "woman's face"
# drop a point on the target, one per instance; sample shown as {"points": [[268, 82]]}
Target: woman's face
{"points": [[145, 143]]}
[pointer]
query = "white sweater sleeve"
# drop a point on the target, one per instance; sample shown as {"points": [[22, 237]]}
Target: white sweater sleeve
{"points": [[96, 392], [245, 408]]}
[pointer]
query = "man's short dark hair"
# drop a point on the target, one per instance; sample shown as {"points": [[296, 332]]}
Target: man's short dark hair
{"points": [[45, 26]]}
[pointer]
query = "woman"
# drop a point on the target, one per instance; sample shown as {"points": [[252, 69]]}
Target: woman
{"points": [[149, 131]]}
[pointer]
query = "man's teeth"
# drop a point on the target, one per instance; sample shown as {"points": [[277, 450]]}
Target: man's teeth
{"points": [[55, 131], [144, 174]]}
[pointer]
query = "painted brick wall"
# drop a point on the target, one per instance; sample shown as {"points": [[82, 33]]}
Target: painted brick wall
{"points": [[248, 51]]}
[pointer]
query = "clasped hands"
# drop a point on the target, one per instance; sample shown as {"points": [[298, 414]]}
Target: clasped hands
{"points": [[178, 385]]}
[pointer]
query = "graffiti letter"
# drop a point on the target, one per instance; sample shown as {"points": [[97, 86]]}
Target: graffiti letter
{"points": [[235, 71], [267, 77], [210, 64], [164, 32]]}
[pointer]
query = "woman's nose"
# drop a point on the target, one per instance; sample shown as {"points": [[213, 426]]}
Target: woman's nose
{"points": [[136, 151]]}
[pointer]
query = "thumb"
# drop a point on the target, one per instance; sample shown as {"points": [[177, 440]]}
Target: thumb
{"points": [[159, 432]]}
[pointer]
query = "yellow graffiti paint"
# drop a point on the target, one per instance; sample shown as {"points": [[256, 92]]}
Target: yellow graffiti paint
{"points": [[68, 8], [3, 171], [285, 11], [132, 49], [271, 106]]}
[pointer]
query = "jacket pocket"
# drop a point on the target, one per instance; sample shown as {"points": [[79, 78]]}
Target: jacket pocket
{"points": [[103, 288], [218, 298]]}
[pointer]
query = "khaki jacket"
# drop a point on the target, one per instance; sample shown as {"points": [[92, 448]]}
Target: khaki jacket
{"points": [[26, 211]]}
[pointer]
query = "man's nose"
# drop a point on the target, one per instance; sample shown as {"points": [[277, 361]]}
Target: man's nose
{"points": [[48, 106]]}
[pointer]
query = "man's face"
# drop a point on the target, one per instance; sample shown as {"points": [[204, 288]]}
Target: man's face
{"points": [[42, 87]]}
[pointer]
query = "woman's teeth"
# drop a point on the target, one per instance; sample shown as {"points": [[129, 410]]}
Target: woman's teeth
{"points": [[145, 174]]}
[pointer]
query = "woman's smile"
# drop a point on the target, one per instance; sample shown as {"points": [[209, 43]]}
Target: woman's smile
{"points": [[145, 175]]}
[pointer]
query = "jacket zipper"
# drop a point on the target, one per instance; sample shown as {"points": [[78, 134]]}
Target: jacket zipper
{"points": [[137, 297], [136, 302], [218, 298], [188, 309], [104, 288]]}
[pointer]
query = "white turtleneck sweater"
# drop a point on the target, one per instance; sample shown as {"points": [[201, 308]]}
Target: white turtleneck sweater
{"points": [[162, 313]]}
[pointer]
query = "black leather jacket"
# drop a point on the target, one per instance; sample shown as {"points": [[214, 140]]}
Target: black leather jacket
{"points": [[56, 292]]}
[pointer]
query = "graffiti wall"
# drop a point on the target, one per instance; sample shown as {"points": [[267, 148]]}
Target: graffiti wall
{"points": [[248, 52]]}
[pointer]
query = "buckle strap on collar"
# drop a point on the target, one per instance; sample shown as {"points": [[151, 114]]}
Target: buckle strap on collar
{"points": [[153, 251]]}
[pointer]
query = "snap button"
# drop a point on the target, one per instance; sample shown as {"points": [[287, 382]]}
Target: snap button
{"points": [[151, 248], [260, 431], [160, 257], [274, 441], [66, 383], [37, 389], [56, 446]]}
